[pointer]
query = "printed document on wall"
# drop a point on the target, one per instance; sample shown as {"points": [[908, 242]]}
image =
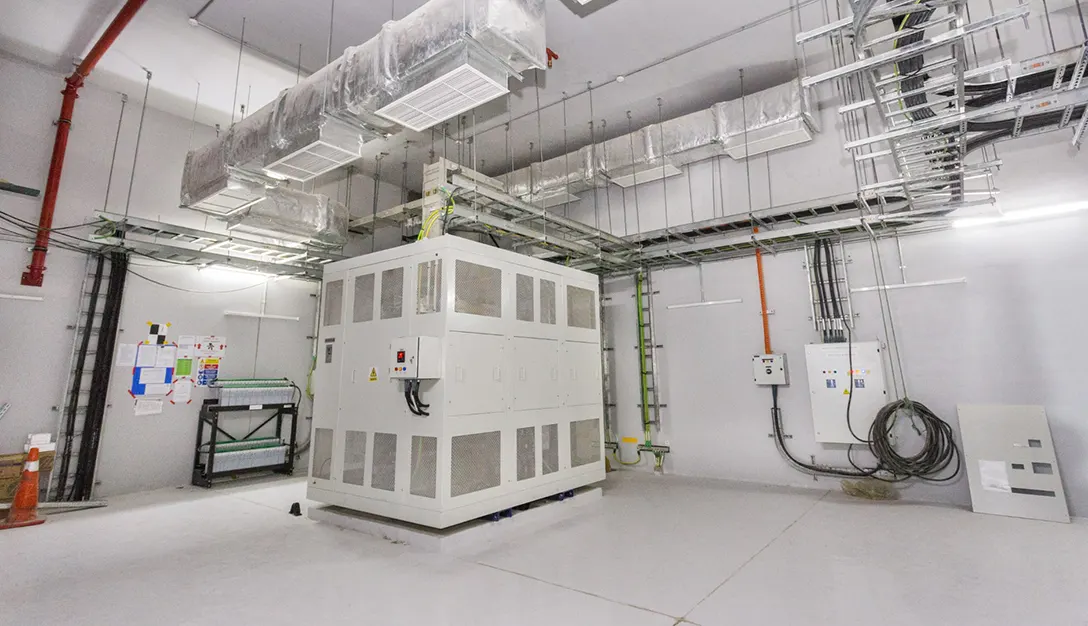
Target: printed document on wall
{"points": [[166, 356], [148, 407], [183, 391], [152, 375], [146, 355], [126, 355]]}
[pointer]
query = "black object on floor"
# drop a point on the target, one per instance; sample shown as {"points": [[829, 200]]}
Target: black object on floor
{"points": [[296, 510], [19, 189]]}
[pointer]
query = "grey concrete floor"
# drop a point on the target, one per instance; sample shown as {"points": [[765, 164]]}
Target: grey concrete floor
{"points": [[657, 551]]}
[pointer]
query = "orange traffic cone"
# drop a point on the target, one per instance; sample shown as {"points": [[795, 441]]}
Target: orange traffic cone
{"points": [[24, 509]]}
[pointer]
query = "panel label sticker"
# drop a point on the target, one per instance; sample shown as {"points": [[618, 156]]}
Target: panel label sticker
{"points": [[994, 476]]}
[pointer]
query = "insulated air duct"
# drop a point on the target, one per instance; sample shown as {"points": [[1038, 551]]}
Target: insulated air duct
{"points": [[443, 59], [294, 216], [779, 117], [776, 118]]}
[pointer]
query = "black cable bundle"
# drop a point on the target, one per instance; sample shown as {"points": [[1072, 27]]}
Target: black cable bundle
{"points": [[827, 289], [936, 455], [911, 68], [411, 398], [818, 277], [938, 452], [833, 284]]}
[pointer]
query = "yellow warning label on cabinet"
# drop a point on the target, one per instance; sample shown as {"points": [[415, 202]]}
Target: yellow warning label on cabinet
{"points": [[845, 392], [373, 375], [629, 440]]}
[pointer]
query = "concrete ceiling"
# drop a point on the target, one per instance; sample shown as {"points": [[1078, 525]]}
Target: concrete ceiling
{"points": [[54, 34], [688, 53]]}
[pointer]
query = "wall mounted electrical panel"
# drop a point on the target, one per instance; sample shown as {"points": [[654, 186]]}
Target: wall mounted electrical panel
{"points": [[833, 389], [505, 350], [415, 358], [770, 369]]}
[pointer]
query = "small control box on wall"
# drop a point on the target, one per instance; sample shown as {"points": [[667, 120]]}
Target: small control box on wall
{"points": [[770, 370]]}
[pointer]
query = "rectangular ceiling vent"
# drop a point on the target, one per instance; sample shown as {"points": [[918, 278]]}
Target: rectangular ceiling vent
{"points": [[331, 145], [230, 194], [648, 175], [763, 140], [550, 200], [451, 94], [269, 232], [769, 120], [228, 201]]}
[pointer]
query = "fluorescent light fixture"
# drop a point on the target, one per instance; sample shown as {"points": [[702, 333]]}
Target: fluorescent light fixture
{"points": [[702, 304], [928, 283], [262, 316], [1022, 215], [12, 296], [230, 271]]}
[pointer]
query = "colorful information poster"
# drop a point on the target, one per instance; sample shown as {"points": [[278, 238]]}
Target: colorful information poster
{"points": [[207, 371]]}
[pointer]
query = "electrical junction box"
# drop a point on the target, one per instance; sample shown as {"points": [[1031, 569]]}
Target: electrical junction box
{"points": [[417, 358], [770, 369], [831, 391], [507, 352]]}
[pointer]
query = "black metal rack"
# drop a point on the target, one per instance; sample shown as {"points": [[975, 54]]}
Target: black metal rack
{"points": [[210, 415]]}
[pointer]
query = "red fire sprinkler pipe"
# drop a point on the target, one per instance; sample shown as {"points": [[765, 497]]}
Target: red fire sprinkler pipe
{"points": [[35, 273]]}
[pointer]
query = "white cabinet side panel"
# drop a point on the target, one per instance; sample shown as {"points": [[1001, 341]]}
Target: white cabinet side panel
{"points": [[535, 372], [581, 373], [476, 374]]}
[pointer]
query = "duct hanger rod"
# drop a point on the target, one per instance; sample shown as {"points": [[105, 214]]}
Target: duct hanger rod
{"points": [[196, 16]]}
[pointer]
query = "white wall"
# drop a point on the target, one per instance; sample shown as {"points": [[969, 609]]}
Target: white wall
{"points": [[136, 452], [1009, 335], [34, 338], [139, 453]]}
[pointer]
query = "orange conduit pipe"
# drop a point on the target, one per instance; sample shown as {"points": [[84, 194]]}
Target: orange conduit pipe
{"points": [[35, 274], [763, 299]]}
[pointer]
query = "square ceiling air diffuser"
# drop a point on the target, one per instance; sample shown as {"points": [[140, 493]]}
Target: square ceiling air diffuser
{"points": [[462, 89], [229, 194], [327, 146]]}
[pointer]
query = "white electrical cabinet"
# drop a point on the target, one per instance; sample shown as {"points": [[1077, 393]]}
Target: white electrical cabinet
{"points": [[504, 354], [829, 381], [770, 369]]}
